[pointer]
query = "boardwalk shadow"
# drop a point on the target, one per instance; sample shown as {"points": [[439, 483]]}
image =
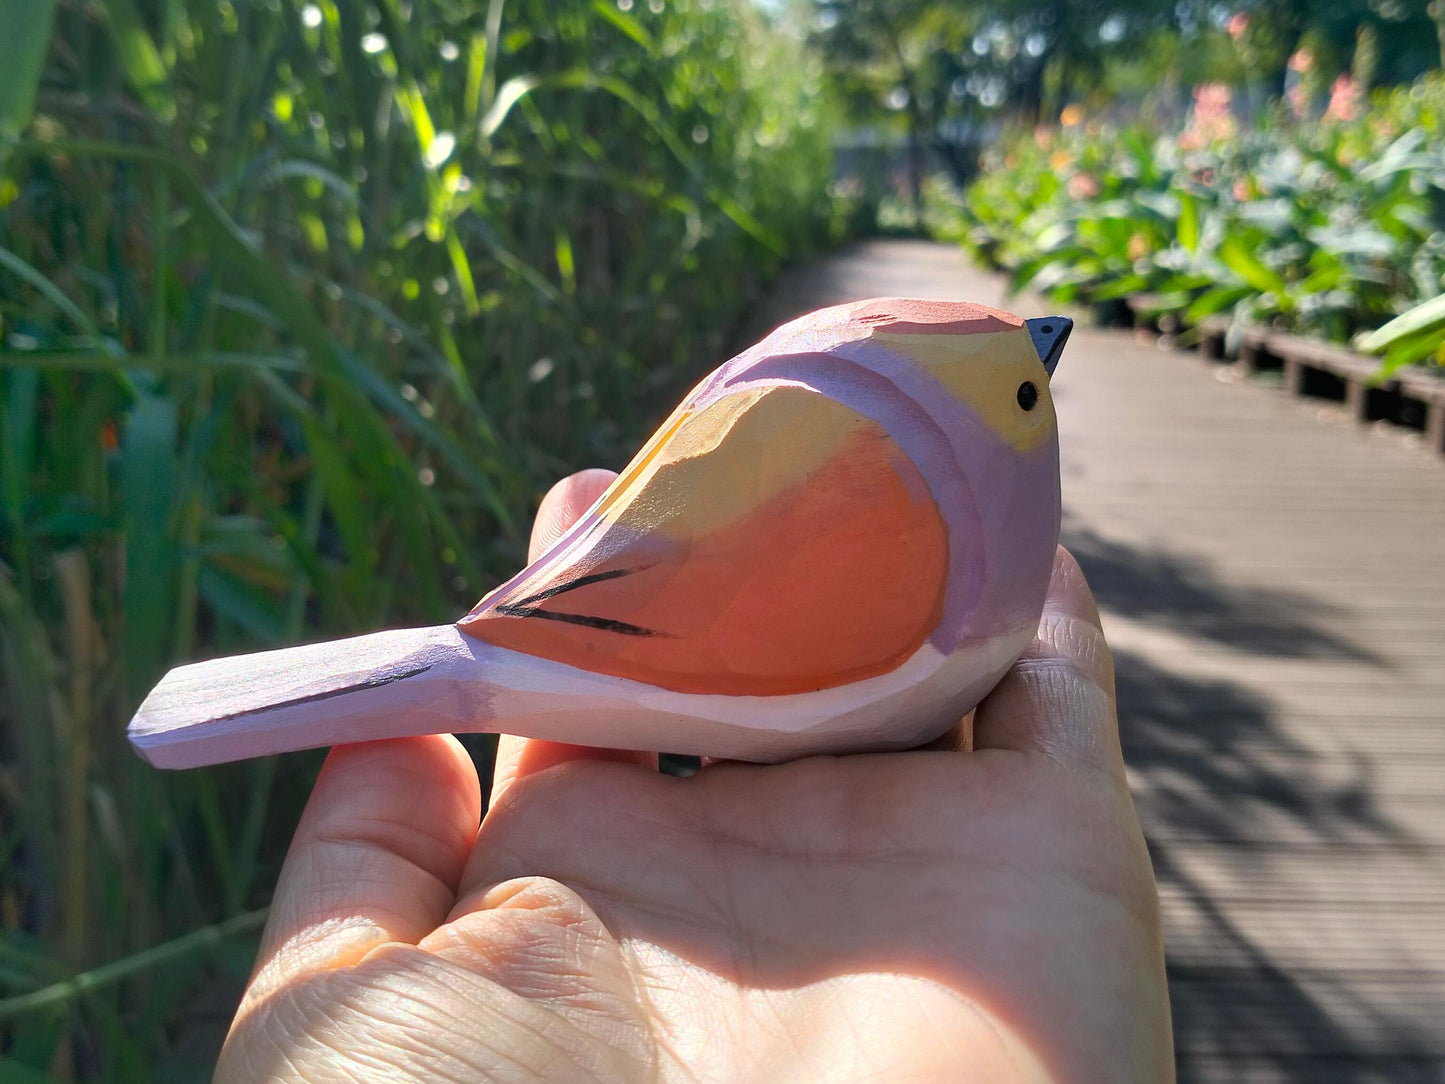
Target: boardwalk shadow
{"points": [[1183, 595], [1210, 765]]}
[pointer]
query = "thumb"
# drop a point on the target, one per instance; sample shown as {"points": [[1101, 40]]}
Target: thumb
{"points": [[517, 758], [1059, 698]]}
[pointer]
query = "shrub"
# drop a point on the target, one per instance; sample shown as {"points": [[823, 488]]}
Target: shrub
{"points": [[1329, 228]]}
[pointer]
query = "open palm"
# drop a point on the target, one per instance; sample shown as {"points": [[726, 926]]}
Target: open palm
{"points": [[931, 915]]}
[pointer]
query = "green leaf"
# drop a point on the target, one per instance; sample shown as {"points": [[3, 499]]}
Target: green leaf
{"points": [[1215, 301], [1188, 226], [19, 1073], [1422, 319], [144, 68], [52, 293], [19, 392], [148, 469], [610, 12], [27, 24], [1123, 286], [1413, 349], [512, 92], [260, 614], [343, 495], [1244, 263]]}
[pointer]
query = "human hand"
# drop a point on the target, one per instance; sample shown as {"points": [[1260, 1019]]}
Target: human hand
{"points": [[934, 914]]}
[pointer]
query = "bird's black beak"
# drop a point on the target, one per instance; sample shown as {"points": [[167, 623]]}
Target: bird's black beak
{"points": [[1050, 333]]}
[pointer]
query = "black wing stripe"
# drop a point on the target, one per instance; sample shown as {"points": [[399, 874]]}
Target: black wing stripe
{"points": [[606, 624], [572, 585]]}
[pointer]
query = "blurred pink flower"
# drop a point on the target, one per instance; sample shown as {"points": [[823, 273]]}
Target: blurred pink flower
{"points": [[1344, 99], [1302, 61], [1083, 186], [1238, 24], [1212, 117]]}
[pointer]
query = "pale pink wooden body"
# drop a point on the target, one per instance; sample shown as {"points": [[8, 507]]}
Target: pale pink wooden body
{"points": [[433, 680], [472, 687]]}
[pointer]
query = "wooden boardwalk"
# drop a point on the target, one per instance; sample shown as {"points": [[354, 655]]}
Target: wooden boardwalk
{"points": [[1273, 585]]}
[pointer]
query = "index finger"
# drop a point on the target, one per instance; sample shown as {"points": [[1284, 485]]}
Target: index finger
{"points": [[375, 859]]}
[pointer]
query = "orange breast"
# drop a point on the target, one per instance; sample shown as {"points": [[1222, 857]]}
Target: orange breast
{"points": [[834, 576]]}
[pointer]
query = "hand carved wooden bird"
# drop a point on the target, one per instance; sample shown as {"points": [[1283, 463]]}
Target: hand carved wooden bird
{"points": [[840, 541]]}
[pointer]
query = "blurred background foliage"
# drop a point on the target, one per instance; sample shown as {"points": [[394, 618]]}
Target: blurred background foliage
{"points": [[304, 302], [1329, 226], [1281, 161], [302, 305]]}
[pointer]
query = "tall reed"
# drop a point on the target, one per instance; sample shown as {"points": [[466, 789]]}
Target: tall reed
{"points": [[301, 305]]}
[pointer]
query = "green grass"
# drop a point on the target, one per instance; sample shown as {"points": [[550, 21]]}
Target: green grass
{"points": [[301, 306]]}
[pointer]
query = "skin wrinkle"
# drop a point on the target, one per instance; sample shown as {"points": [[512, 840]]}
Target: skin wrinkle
{"points": [[785, 1007], [1080, 643], [661, 819], [727, 841], [1067, 742], [349, 839], [576, 930], [319, 954], [394, 837], [470, 983], [662, 1039], [476, 896], [377, 833], [989, 1023], [783, 1032]]}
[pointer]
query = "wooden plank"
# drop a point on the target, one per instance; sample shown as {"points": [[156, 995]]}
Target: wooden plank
{"points": [[1231, 1010], [1254, 350], [1214, 1068]]}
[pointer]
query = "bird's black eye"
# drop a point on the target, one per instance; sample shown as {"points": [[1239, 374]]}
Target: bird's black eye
{"points": [[1028, 395]]}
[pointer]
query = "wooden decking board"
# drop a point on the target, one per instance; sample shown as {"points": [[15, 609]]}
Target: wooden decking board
{"points": [[1271, 575], [1328, 874], [1337, 1069], [1226, 1010], [1323, 939]]}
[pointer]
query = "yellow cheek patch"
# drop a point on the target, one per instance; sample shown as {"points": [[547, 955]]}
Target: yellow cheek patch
{"points": [[983, 371]]}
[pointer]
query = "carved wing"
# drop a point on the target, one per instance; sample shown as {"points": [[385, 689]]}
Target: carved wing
{"points": [[772, 542]]}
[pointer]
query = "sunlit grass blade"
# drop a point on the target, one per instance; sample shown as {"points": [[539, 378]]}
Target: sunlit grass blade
{"points": [[27, 26], [143, 64]]}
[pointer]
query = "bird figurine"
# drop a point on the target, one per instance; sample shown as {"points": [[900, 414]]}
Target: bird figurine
{"points": [[840, 541]]}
